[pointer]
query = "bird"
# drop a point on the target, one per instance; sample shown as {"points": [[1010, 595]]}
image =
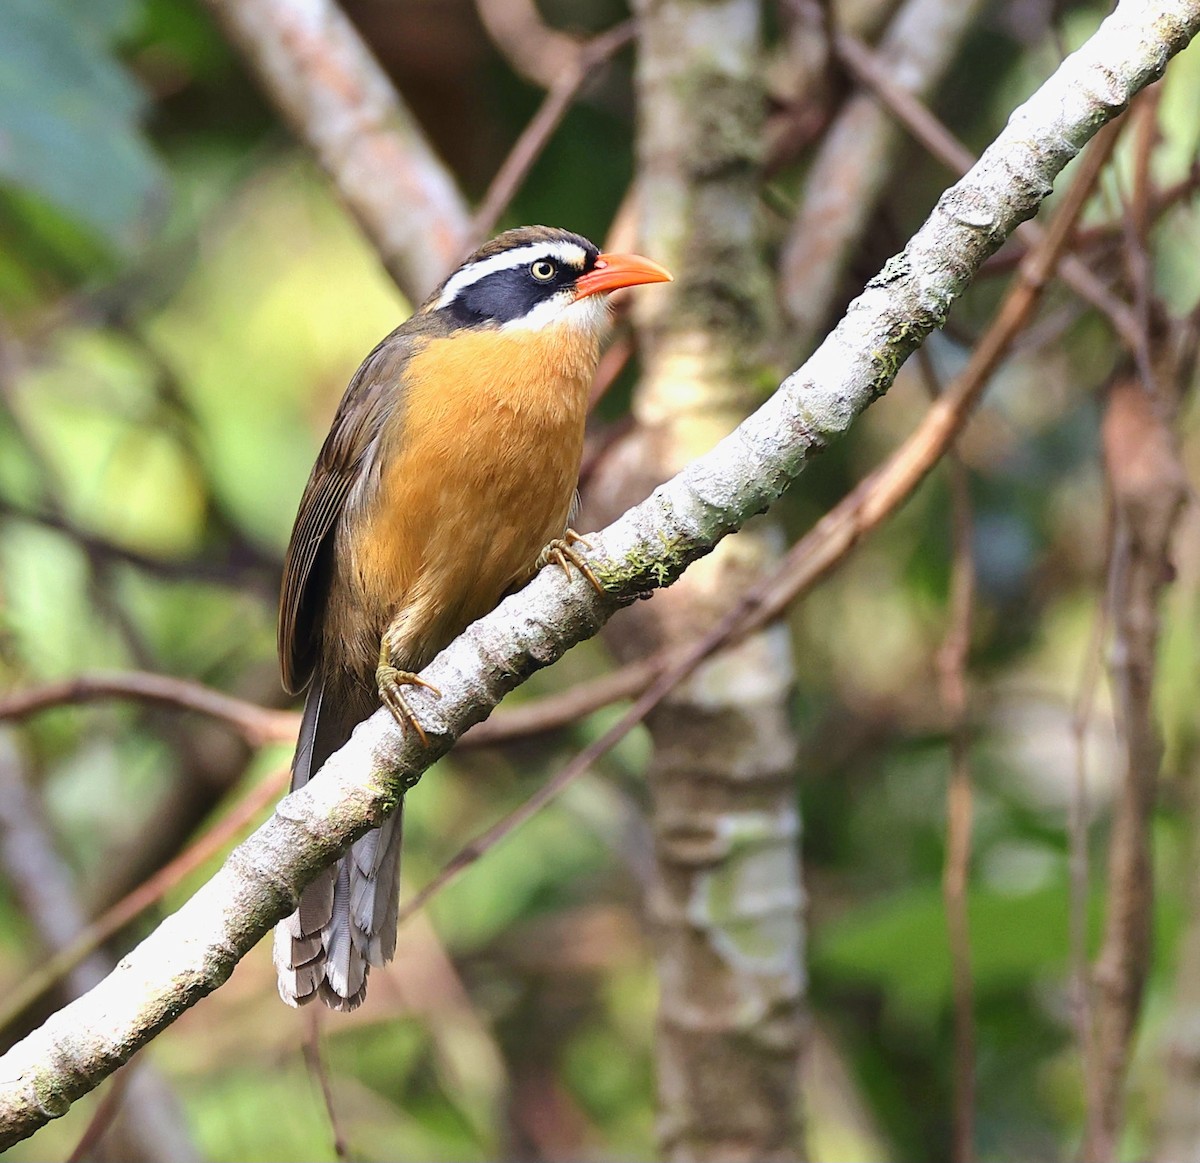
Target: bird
{"points": [[447, 479]]}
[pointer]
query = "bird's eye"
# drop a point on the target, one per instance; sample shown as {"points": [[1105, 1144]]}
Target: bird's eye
{"points": [[543, 270]]}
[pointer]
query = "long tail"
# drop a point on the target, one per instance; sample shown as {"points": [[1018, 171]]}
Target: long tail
{"points": [[346, 919]]}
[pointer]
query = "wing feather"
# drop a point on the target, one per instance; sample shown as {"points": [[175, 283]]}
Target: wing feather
{"points": [[371, 397]]}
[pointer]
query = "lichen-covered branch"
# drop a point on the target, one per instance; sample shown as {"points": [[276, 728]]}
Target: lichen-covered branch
{"points": [[314, 66], [194, 951]]}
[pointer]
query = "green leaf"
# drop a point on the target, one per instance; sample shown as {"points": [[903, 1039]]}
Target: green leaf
{"points": [[69, 117]]}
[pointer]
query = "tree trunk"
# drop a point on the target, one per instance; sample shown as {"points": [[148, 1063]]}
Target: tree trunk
{"points": [[726, 901]]}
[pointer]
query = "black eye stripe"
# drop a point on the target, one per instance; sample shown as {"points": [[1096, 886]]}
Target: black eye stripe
{"points": [[506, 295], [499, 286]]}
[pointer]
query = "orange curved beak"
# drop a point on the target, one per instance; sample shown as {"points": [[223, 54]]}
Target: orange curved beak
{"points": [[614, 271]]}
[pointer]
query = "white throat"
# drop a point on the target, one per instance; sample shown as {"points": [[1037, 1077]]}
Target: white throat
{"points": [[590, 314]]}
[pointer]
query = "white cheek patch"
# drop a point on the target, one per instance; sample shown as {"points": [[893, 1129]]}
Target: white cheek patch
{"points": [[567, 253], [588, 314]]}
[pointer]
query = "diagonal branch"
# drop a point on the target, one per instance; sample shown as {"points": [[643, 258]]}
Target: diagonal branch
{"points": [[194, 951], [338, 101], [871, 71], [535, 136]]}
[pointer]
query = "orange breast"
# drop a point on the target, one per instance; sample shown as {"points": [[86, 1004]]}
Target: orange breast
{"points": [[477, 472]]}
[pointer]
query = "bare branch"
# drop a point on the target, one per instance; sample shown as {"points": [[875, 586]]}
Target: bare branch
{"points": [[316, 1068], [260, 725], [952, 665], [870, 70], [313, 64], [552, 712], [256, 724], [952, 662], [106, 1112], [1149, 486], [538, 52], [545, 121]]}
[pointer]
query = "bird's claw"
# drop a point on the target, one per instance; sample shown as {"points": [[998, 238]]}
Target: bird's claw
{"points": [[562, 553], [391, 682]]}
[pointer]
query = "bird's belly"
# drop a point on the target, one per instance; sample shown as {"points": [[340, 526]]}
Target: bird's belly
{"points": [[482, 478]]}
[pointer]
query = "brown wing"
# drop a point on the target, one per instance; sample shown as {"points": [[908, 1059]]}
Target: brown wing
{"points": [[373, 395]]}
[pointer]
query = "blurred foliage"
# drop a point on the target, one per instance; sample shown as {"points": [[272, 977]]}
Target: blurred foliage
{"points": [[181, 304], [75, 159]]}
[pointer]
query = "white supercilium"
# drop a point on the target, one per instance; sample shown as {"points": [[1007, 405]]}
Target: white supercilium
{"points": [[568, 253]]}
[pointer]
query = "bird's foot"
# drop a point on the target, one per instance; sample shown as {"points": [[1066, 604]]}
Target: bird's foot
{"points": [[392, 682], [561, 552]]}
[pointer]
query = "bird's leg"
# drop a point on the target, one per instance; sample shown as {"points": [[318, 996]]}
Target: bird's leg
{"points": [[561, 552], [391, 682]]}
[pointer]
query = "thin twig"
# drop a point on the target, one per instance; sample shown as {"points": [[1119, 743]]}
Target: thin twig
{"points": [[1145, 139], [311, 1046], [856, 159], [535, 136], [1149, 486], [1101, 235], [1135, 223], [870, 70], [552, 712], [1078, 817], [952, 661], [258, 725], [104, 1114]]}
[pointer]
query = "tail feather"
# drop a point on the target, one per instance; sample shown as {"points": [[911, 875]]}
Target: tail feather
{"points": [[346, 919], [316, 905], [345, 961], [376, 891]]}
